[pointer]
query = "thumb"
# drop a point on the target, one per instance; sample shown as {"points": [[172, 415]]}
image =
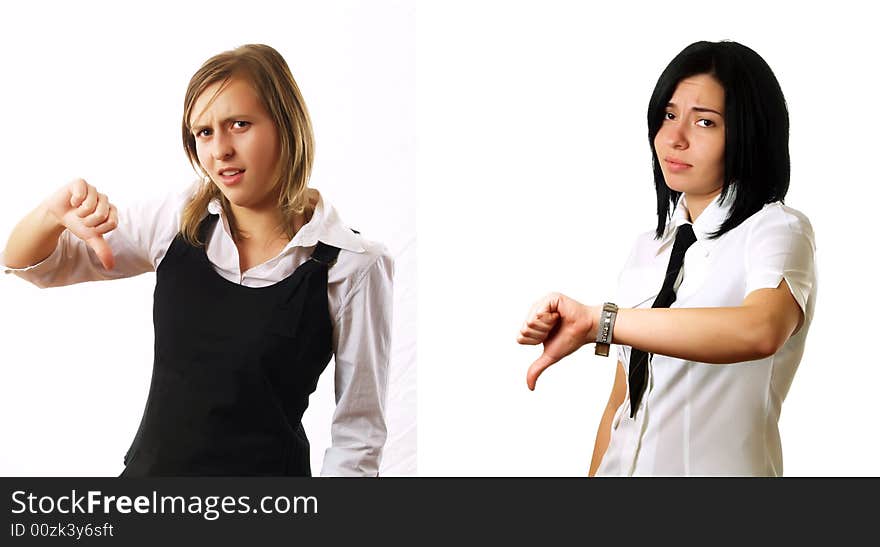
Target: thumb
{"points": [[78, 192], [537, 368], [102, 249]]}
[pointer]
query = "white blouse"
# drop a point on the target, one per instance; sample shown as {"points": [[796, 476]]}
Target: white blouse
{"points": [[359, 295], [714, 419]]}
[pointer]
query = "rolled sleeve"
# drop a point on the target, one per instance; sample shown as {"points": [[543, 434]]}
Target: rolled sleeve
{"points": [[73, 261], [143, 234], [39, 270], [362, 343]]}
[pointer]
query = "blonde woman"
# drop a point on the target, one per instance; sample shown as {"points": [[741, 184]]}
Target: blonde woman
{"points": [[258, 284]]}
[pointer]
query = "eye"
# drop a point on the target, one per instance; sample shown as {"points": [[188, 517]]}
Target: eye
{"points": [[666, 116], [242, 122], [710, 122], [203, 132]]}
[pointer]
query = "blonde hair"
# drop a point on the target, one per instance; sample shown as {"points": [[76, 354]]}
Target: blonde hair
{"points": [[271, 78]]}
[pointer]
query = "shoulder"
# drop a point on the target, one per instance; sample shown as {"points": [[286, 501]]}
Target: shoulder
{"points": [[374, 258], [776, 219], [361, 278], [779, 240], [361, 259], [778, 212]]}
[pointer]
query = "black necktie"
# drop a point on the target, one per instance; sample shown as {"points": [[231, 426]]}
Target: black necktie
{"points": [[638, 361]]}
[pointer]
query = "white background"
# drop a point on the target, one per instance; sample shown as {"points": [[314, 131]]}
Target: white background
{"points": [[95, 90], [535, 175]]}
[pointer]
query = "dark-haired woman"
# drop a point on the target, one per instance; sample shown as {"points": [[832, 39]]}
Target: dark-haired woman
{"points": [[714, 305]]}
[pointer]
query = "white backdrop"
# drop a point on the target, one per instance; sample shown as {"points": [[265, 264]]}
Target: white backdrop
{"points": [[95, 90], [535, 175]]}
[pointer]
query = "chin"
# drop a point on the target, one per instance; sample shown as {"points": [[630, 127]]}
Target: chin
{"points": [[245, 199], [679, 188], [693, 189], [675, 184], [234, 197], [682, 183], [239, 201]]}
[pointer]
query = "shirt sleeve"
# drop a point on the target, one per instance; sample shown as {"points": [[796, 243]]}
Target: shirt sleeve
{"points": [[362, 344], [782, 245], [143, 234]]}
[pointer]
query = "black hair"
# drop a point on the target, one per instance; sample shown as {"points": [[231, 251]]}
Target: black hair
{"points": [[756, 158]]}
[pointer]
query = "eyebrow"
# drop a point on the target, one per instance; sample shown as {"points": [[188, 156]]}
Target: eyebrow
{"points": [[224, 121], [698, 109]]}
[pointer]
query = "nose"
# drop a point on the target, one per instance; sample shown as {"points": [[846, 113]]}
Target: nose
{"points": [[675, 136], [222, 147]]}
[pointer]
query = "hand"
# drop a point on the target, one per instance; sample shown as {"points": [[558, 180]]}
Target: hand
{"points": [[87, 214], [562, 324]]}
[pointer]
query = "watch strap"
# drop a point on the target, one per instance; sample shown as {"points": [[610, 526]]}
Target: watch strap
{"points": [[606, 329]]}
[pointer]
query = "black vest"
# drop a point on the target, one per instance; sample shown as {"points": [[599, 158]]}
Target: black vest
{"points": [[233, 369]]}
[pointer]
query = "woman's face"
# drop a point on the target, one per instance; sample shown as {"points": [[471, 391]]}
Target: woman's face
{"points": [[237, 144], [690, 142]]}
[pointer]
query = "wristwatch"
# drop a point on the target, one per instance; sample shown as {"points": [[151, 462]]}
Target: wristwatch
{"points": [[606, 328]]}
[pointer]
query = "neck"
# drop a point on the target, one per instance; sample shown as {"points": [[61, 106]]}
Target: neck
{"points": [[257, 225], [697, 203], [265, 225]]}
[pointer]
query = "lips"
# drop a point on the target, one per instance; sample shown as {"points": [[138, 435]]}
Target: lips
{"points": [[230, 175], [675, 166], [675, 162]]}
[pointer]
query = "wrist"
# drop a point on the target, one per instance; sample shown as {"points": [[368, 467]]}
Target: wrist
{"points": [[595, 314], [49, 221]]}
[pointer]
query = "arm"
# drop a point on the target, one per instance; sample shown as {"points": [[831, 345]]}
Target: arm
{"points": [[77, 207], [134, 243], [603, 435], [362, 345], [753, 330]]}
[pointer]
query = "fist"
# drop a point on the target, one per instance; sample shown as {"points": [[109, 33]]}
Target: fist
{"points": [[87, 214], [562, 325]]}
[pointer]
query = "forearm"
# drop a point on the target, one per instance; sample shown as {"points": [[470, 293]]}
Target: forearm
{"points": [[707, 335], [33, 238]]}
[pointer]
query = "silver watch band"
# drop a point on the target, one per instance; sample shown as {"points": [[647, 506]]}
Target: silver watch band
{"points": [[606, 329]]}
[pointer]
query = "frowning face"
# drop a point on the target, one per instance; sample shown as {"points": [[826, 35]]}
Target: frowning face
{"points": [[690, 142], [237, 144]]}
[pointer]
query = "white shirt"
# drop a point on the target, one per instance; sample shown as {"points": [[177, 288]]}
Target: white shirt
{"points": [[714, 419], [359, 295]]}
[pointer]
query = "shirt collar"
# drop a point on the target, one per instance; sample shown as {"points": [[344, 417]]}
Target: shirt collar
{"points": [[712, 217], [325, 226]]}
